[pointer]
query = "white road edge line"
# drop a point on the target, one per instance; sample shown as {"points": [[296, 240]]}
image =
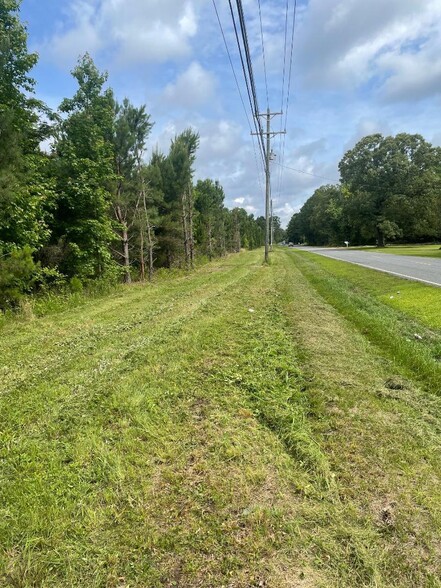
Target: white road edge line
{"points": [[438, 284]]}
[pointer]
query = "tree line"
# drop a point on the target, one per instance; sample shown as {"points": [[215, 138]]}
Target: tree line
{"points": [[93, 207], [390, 190]]}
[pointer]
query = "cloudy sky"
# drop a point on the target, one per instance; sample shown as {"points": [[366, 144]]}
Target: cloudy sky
{"points": [[358, 68]]}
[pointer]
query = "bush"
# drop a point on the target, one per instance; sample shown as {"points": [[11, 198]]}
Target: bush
{"points": [[48, 279], [17, 276], [75, 285]]}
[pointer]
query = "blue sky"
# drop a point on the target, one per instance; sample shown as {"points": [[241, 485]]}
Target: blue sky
{"points": [[359, 67]]}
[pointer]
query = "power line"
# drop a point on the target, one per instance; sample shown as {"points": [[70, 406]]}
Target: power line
{"points": [[263, 54], [250, 69], [251, 99], [302, 171], [291, 61], [231, 63], [238, 86], [293, 28], [282, 137], [284, 59]]}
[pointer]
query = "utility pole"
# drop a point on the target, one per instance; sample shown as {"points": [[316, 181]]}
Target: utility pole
{"points": [[268, 115], [272, 226]]}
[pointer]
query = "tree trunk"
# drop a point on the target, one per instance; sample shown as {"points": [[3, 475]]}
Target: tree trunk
{"points": [[141, 254], [210, 243], [125, 244], [185, 229], [190, 224], [223, 239], [236, 236], [380, 237], [150, 241]]}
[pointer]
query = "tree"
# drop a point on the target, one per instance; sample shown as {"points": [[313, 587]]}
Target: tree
{"points": [[384, 174], [131, 130], [26, 194], [278, 232], [209, 203], [244, 231], [294, 231], [177, 180], [84, 169]]}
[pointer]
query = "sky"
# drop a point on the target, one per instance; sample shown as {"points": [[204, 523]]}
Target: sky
{"points": [[358, 68]]}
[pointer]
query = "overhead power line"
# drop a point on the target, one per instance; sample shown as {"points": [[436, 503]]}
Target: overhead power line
{"points": [[294, 17], [238, 87], [248, 83], [263, 54], [288, 93], [231, 63], [282, 136], [302, 171], [250, 70]]}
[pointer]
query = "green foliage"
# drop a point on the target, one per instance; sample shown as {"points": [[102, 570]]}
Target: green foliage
{"points": [[392, 179], [17, 276], [390, 190], [210, 230], [294, 229], [246, 231], [131, 205], [279, 234], [48, 279], [26, 192], [15, 64], [84, 168], [75, 285], [93, 205]]}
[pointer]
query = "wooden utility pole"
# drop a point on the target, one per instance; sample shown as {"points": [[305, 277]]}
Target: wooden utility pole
{"points": [[268, 115], [272, 226]]}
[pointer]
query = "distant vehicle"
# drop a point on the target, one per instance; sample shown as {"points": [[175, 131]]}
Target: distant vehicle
{"points": [[290, 244]]}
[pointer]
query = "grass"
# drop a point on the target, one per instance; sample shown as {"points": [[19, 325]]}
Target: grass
{"points": [[417, 250], [234, 427], [417, 300]]}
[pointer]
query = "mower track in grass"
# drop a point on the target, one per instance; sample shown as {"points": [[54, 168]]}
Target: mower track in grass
{"points": [[229, 428]]}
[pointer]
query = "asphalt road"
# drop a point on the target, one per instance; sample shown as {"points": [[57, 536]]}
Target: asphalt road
{"points": [[421, 269]]}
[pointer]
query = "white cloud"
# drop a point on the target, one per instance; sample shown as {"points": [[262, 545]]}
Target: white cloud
{"points": [[348, 44], [414, 75], [135, 31], [66, 46], [194, 87]]}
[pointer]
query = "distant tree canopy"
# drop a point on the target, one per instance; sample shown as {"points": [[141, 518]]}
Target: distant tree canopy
{"points": [[94, 207], [390, 189]]}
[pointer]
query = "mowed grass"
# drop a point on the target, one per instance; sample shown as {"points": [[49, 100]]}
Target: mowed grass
{"points": [[233, 427], [415, 299], [417, 250]]}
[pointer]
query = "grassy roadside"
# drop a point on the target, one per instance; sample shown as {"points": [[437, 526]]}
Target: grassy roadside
{"points": [[228, 428], [417, 250], [403, 318], [379, 430], [417, 300]]}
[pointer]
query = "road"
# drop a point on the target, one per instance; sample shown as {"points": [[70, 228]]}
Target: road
{"points": [[421, 269]]}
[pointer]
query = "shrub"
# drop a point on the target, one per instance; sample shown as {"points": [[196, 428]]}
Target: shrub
{"points": [[75, 285], [17, 276]]}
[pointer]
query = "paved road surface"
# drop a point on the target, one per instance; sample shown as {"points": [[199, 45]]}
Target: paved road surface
{"points": [[422, 269]]}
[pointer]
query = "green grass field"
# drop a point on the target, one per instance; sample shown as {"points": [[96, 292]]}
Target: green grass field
{"points": [[242, 426], [417, 250]]}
